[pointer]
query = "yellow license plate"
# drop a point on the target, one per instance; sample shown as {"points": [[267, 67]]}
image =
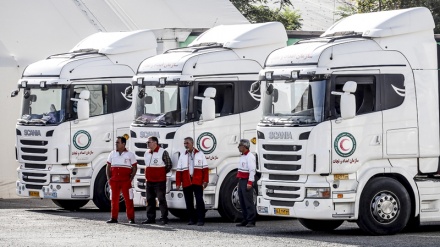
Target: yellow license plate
{"points": [[282, 211], [340, 176], [34, 193]]}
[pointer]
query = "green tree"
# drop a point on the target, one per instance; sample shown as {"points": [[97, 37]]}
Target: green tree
{"points": [[365, 6], [257, 11]]}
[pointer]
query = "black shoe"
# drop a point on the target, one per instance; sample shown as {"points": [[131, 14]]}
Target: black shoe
{"points": [[110, 221], [200, 223], [164, 221], [243, 223], [149, 221], [250, 224], [191, 223], [131, 222]]}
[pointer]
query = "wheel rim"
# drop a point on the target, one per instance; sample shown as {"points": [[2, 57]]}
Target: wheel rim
{"points": [[107, 193], [236, 200], [385, 207]]}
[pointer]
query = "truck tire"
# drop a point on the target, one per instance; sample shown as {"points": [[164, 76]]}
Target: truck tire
{"points": [[384, 207], [321, 225], [101, 193], [179, 213], [229, 204], [70, 204]]}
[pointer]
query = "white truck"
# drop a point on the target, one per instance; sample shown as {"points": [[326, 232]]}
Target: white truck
{"points": [[351, 125], [221, 65], [74, 105]]}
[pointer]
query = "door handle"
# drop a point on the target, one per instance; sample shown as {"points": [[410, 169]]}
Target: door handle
{"points": [[107, 137], [375, 141], [234, 139]]}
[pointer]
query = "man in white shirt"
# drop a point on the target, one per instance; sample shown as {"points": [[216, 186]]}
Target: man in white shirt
{"points": [[121, 168]]}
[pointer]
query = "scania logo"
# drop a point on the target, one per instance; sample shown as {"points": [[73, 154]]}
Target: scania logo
{"points": [[32, 133], [146, 134], [280, 135]]}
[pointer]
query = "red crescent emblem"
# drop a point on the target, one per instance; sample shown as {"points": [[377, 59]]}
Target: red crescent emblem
{"points": [[341, 145], [203, 143], [79, 139]]}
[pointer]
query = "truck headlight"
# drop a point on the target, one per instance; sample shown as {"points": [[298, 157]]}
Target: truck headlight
{"points": [[60, 178], [318, 192]]}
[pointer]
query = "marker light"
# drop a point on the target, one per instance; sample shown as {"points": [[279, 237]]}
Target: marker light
{"points": [[268, 75]]}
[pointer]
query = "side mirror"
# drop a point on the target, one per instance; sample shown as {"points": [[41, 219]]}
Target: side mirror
{"points": [[148, 100], [269, 89], [275, 95], [83, 107], [33, 98], [348, 100], [208, 104], [14, 93]]}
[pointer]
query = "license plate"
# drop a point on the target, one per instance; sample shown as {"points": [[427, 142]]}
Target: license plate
{"points": [[34, 193], [340, 176], [281, 211]]}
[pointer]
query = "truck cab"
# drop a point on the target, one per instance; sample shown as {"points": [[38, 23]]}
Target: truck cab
{"points": [[206, 91], [350, 128], [74, 106]]}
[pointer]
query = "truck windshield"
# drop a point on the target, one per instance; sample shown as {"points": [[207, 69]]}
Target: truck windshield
{"points": [[300, 102], [43, 106], [163, 106]]}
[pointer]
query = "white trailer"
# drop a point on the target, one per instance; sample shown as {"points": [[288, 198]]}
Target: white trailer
{"points": [[351, 130], [74, 106], [226, 58]]}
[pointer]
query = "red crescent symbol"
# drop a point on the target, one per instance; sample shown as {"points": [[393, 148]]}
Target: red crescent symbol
{"points": [[341, 145], [203, 143], [79, 139]]}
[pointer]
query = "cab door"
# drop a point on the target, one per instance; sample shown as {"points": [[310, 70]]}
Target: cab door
{"points": [[92, 137], [357, 140], [218, 139]]}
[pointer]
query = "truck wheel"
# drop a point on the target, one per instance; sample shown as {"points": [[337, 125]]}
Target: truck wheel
{"points": [[179, 213], [70, 204], [384, 207], [229, 205], [101, 193], [321, 225]]}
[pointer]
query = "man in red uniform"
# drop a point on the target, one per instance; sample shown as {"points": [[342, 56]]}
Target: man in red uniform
{"points": [[121, 168], [192, 173], [246, 178], [158, 164]]}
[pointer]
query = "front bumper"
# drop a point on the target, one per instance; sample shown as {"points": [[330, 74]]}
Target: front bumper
{"points": [[307, 209], [50, 191]]}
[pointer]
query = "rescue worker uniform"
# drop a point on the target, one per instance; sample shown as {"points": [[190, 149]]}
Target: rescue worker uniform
{"points": [[120, 180], [158, 164], [246, 175], [192, 172]]}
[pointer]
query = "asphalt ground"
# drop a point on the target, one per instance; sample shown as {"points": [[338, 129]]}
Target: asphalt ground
{"points": [[34, 222]]}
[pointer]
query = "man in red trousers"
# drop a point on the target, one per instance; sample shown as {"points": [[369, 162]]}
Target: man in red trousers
{"points": [[121, 168]]}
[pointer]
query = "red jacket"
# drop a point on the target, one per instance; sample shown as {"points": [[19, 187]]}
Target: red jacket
{"points": [[201, 171]]}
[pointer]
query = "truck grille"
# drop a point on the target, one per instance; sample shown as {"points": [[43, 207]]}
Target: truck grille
{"points": [[37, 178], [35, 155], [282, 194], [34, 166]]}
